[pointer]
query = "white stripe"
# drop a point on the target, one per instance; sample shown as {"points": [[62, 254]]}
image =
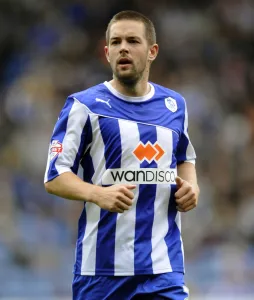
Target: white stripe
{"points": [[90, 238], [190, 152], [47, 167], [186, 290], [159, 253], [97, 151], [71, 142], [178, 223], [92, 210], [125, 225]]}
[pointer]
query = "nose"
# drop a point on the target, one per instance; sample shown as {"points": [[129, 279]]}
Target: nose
{"points": [[124, 47]]}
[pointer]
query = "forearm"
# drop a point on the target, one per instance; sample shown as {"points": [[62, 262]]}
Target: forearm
{"points": [[70, 186], [187, 171]]}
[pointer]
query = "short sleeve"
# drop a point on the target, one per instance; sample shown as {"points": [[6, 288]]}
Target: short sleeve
{"points": [[71, 135], [185, 150]]}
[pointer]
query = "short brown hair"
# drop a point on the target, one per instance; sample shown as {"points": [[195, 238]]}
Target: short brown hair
{"points": [[134, 16]]}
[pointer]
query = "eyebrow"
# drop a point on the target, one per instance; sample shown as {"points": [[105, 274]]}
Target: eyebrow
{"points": [[128, 37]]}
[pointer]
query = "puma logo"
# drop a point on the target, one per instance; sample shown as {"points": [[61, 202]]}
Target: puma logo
{"points": [[103, 101]]}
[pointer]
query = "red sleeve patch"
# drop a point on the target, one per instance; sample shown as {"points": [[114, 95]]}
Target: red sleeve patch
{"points": [[55, 148]]}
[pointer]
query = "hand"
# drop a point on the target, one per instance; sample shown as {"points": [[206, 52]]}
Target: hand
{"points": [[115, 198], [186, 195]]}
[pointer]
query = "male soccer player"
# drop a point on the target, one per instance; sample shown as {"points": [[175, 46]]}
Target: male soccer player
{"points": [[130, 137]]}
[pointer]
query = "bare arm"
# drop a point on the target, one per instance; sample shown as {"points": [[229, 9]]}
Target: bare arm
{"points": [[188, 189], [70, 186], [187, 171], [116, 198]]}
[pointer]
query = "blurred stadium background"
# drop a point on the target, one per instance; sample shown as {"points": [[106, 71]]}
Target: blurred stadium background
{"points": [[50, 49]]}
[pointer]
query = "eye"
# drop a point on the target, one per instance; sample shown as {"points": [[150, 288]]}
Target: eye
{"points": [[133, 41], [115, 42]]}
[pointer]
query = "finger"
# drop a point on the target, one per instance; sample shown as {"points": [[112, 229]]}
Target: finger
{"points": [[117, 210], [179, 181], [188, 203], [122, 206], [129, 194], [131, 186], [190, 207], [124, 190], [183, 190], [187, 197], [186, 209], [124, 199], [179, 209]]}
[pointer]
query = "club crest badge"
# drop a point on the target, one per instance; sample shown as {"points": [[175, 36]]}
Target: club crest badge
{"points": [[171, 104]]}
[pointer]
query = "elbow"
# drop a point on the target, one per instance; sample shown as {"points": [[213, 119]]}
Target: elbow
{"points": [[48, 187]]}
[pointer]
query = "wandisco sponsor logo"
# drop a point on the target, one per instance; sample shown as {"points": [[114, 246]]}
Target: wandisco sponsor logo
{"points": [[139, 176]]}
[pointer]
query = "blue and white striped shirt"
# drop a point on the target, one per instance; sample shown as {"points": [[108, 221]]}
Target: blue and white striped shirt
{"points": [[121, 139]]}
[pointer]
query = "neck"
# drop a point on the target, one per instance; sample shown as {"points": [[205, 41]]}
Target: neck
{"points": [[139, 89]]}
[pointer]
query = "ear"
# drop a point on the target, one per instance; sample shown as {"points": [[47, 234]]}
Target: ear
{"points": [[106, 53], [153, 52]]}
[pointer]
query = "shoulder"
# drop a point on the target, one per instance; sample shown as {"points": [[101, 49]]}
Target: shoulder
{"points": [[169, 95], [89, 95], [166, 92]]}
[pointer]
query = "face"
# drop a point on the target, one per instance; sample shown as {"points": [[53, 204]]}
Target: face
{"points": [[128, 51]]}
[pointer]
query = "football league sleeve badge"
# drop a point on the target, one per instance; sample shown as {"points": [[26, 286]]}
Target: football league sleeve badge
{"points": [[55, 148]]}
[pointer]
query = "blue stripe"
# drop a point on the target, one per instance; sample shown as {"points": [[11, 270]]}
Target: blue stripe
{"points": [[88, 168], [172, 237], [59, 133], [105, 249], [145, 211], [175, 139], [86, 139], [182, 146], [110, 133], [105, 253], [81, 233]]}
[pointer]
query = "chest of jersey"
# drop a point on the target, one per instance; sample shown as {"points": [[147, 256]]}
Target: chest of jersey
{"points": [[156, 112], [128, 143], [135, 139]]}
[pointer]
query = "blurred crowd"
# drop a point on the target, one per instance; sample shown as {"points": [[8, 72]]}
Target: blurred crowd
{"points": [[50, 49]]}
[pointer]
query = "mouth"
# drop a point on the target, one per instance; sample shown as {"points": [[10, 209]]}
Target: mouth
{"points": [[124, 62]]}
